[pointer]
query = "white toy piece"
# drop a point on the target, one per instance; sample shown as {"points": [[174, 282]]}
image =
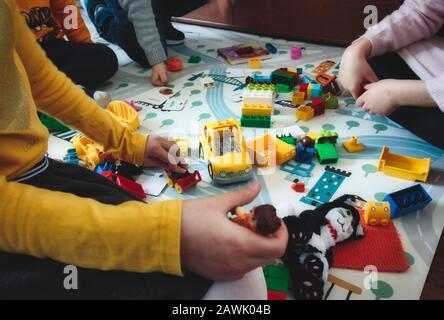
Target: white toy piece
{"points": [[207, 82], [265, 97]]}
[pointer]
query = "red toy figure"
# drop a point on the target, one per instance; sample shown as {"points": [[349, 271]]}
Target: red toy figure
{"points": [[131, 186], [182, 182], [261, 219]]}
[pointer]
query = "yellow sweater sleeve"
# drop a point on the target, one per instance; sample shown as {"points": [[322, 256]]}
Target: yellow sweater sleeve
{"points": [[79, 34], [132, 236], [56, 95]]}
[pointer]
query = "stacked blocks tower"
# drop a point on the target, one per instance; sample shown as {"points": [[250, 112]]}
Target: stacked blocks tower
{"points": [[257, 107]]}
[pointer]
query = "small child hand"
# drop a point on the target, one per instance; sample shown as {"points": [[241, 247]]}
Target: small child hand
{"points": [[163, 153], [355, 72], [380, 97], [159, 74]]}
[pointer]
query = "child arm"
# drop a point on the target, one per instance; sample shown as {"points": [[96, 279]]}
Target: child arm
{"points": [[56, 95], [140, 14], [413, 21], [80, 33]]}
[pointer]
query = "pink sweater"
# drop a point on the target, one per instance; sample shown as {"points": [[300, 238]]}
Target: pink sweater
{"points": [[411, 30]]}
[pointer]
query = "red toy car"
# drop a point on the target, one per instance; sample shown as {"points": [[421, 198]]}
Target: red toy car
{"points": [[130, 186], [182, 182]]}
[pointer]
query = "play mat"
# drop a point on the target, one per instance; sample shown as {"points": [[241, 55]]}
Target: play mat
{"points": [[190, 105]]}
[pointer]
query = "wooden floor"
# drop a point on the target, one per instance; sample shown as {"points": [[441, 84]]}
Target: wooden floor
{"points": [[434, 285]]}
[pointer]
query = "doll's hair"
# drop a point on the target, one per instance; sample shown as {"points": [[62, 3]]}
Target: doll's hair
{"points": [[266, 219]]}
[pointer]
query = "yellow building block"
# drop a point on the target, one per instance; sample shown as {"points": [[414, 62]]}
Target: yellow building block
{"points": [[253, 109], [298, 98], [304, 113], [353, 145], [312, 135], [268, 151], [255, 63]]}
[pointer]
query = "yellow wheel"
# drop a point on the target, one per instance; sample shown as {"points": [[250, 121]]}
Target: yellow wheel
{"points": [[384, 222], [178, 188], [170, 183], [373, 222]]}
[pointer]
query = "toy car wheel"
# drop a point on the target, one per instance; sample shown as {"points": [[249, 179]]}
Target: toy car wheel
{"points": [[384, 222], [201, 155], [170, 183], [91, 161], [373, 222], [178, 188], [210, 170]]}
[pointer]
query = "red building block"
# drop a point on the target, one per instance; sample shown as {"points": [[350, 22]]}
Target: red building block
{"points": [[318, 104], [130, 186], [303, 87], [298, 187]]}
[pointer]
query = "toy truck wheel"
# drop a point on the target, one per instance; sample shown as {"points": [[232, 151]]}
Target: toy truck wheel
{"points": [[91, 161], [373, 222], [178, 188], [210, 170], [170, 183], [384, 222]]}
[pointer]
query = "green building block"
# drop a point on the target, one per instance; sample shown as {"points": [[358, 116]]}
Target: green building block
{"points": [[273, 271], [288, 139], [331, 101], [256, 122], [282, 88], [52, 124], [326, 153], [326, 136], [261, 86], [276, 284], [194, 59]]}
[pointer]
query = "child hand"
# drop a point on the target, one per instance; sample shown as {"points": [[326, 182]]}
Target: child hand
{"points": [[163, 153], [159, 74], [355, 72], [380, 97], [219, 249]]}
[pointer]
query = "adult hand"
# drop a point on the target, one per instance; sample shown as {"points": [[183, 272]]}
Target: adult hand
{"points": [[163, 153]]}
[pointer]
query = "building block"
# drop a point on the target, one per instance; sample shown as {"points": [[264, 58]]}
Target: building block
{"points": [[71, 156], [314, 90], [285, 77], [288, 139], [261, 86], [298, 98], [325, 79], [124, 113], [407, 200], [326, 153], [298, 187], [207, 82], [253, 109], [174, 65], [377, 213], [271, 48], [298, 169], [259, 96], [194, 59], [326, 136], [331, 101], [255, 63], [325, 188], [130, 186], [282, 88], [300, 71], [106, 166], [304, 154], [259, 78], [303, 87], [256, 122], [296, 52], [304, 113], [268, 151], [318, 105], [306, 80], [403, 167], [353, 145]]}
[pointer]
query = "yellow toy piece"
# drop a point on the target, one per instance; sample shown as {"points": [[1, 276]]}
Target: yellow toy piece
{"points": [[403, 167], [125, 113], [255, 63], [304, 113], [255, 109], [88, 151], [353, 145], [223, 146], [312, 135], [298, 98], [377, 213], [268, 151], [183, 144]]}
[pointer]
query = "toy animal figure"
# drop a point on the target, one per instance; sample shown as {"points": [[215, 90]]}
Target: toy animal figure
{"points": [[311, 235], [261, 219]]}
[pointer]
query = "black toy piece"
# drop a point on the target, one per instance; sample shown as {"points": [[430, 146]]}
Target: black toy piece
{"points": [[312, 234]]}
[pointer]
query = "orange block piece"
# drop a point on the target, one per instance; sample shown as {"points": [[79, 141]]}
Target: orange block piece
{"points": [[304, 113], [298, 98], [255, 63]]}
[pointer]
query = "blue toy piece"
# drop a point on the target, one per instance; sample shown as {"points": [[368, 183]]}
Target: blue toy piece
{"points": [[316, 90], [407, 200], [107, 166], [326, 186], [271, 48], [306, 79], [299, 169], [258, 77], [300, 71], [304, 154], [71, 157]]}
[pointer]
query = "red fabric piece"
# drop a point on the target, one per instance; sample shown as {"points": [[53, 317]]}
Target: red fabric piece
{"points": [[380, 247], [276, 295]]}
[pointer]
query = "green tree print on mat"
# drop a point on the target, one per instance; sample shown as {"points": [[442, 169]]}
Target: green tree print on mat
{"points": [[204, 116], [352, 124], [379, 128], [328, 127], [196, 104], [167, 122], [369, 168], [380, 196], [150, 115], [383, 291]]}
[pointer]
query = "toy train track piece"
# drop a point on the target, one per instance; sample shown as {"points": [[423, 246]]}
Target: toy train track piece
{"points": [[326, 186]]}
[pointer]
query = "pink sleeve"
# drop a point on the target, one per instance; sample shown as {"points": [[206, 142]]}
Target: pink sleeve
{"points": [[415, 20], [435, 86]]}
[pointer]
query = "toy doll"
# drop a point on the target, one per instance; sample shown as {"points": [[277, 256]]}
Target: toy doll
{"points": [[261, 219]]}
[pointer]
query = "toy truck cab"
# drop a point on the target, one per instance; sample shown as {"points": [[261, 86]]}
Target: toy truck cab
{"points": [[181, 182], [89, 151], [377, 213], [222, 144]]}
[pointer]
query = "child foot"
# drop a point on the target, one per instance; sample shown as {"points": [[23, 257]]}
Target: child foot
{"points": [[174, 36]]}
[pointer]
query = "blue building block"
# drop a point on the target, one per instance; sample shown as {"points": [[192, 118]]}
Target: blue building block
{"points": [[299, 169], [105, 167], [308, 80], [300, 71], [316, 90], [407, 200], [326, 186], [304, 155], [258, 77], [271, 48], [71, 157]]}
